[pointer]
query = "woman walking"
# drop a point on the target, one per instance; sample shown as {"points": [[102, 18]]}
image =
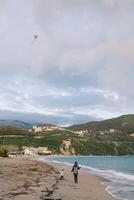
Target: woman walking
{"points": [[75, 170]]}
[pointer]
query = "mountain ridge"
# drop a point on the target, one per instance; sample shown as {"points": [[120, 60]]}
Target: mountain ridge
{"points": [[121, 123], [15, 123], [108, 137]]}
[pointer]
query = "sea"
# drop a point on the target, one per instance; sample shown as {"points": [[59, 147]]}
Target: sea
{"points": [[116, 172]]}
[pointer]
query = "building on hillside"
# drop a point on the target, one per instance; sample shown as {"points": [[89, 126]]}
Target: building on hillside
{"points": [[44, 151], [31, 151], [132, 134], [101, 132], [37, 129], [44, 128], [80, 133], [112, 130]]}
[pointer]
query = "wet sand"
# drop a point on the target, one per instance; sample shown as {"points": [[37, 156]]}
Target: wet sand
{"points": [[24, 178], [88, 188]]}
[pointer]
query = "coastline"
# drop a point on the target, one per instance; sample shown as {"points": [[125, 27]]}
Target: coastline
{"points": [[33, 179], [68, 166], [89, 186]]}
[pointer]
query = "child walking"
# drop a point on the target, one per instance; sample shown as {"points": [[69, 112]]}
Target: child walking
{"points": [[62, 174]]}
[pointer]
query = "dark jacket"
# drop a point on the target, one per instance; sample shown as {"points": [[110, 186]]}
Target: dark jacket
{"points": [[75, 169]]}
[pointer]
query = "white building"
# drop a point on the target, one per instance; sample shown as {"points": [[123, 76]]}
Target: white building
{"points": [[37, 129], [31, 151], [112, 130]]}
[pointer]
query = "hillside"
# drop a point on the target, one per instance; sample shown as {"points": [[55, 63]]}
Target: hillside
{"points": [[12, 131], [124, 123], [107, 137], [22, 124], [16, 123]]}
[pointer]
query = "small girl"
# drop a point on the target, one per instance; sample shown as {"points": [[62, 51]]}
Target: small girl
{"points": [[62, 174]]}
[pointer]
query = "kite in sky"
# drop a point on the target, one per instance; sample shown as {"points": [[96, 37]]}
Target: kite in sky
{"points": [[35, 36]]}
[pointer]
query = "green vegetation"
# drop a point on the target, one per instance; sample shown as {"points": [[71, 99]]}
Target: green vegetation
{"points": [[103, 148], [123, 124], [11, 130], [109, 137], [94, 145], [3, 152], [53, 140]]}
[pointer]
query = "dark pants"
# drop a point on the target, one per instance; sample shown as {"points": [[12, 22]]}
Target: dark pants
{"points": [[76, 178], [61, 178]]}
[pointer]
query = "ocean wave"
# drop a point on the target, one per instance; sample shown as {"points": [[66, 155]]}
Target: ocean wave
{"points": [[118, 184], [112, 175]]}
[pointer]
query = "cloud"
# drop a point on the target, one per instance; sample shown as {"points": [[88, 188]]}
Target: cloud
{"points": [[81, 65]]}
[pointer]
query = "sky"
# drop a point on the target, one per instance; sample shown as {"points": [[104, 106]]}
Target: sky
{"points": [[80, 67]]}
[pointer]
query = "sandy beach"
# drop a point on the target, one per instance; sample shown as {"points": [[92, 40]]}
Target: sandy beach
{"points": [[88, 188], [24, 178]]}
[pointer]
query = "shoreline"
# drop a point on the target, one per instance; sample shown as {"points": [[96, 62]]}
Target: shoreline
{"points": [[86, 175], [34, 179], [83, 171]]}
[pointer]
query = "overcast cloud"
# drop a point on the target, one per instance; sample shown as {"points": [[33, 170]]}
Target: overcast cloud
{"points": [[81, 66]]}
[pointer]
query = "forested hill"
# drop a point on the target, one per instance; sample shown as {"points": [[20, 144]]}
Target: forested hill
{"points": [[124, 123], [108, 137]]}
